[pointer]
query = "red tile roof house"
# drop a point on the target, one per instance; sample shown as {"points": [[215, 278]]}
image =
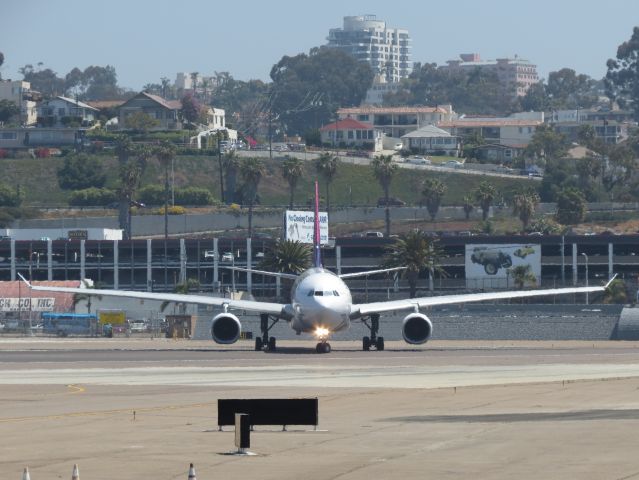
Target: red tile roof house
{"points": [[351, 133]]}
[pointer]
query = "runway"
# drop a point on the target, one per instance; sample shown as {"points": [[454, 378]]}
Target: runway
{"points": [[446, 410]]}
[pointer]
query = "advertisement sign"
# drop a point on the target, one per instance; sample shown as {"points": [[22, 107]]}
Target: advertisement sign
{"points": [[78, 234], [299, 226], [114, 317], [35, 304], [491, 266]]}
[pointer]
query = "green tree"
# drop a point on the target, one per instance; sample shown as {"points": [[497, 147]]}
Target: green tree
{"points": [[10, 197], [292, 171], [547, 144], [469, 205], [485, 193], [140, 122], [571, 206], [622, 78], [8, 110], [251, 170], [433, 191], [417, 252], [326, 166], [81, 171], [536, 99], [524, 205], [522, 276], [568, 90], [308, 89], [384, 170]]}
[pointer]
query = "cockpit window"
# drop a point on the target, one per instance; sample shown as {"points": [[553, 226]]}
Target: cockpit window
{"points": [[319, 293], [310, 293], [335, 293]]}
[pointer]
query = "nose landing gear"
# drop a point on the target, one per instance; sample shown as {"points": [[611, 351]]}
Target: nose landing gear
{"points": [[373, 340], [323, 347]]}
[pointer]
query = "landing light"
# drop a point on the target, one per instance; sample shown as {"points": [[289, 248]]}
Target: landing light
{"points": [[321, 332]]}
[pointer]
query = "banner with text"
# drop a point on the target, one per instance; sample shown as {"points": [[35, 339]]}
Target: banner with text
{"points": [[25, 304], [299, 226]]}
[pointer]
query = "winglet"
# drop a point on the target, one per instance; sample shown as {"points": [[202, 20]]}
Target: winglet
{"points": [[24, 280], [610, 281]]}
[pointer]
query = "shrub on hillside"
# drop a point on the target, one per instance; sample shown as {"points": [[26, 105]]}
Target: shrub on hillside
{"points": [[9, 197], [175, 210], [154, 195], [81, 171], [92, 197]]}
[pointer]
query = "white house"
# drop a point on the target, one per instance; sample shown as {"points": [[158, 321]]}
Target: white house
{"points": [[62, 111], [20, 93], [430, 139]]}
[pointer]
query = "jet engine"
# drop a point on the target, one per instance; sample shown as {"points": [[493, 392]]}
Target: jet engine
{"points": [[226, 328], [416, 328]]}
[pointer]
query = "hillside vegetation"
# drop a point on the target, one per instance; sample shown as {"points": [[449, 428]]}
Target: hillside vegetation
{"points": [[353, 184]]}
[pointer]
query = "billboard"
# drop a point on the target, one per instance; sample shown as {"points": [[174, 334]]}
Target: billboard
{"points": [[35, 304], [299, 226], [490, 265]]}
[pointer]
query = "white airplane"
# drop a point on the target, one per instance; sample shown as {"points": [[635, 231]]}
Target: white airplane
{"points": [[321, 304]]}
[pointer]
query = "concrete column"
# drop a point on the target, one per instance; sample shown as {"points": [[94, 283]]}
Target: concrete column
{"points": [[338, 259], [610, 260], [116, 264], [278, 287], [574, 264], [149, 265], [182, 261], [13, 260], [249, 275], [49, 260], [216, 264], [82, 259]]}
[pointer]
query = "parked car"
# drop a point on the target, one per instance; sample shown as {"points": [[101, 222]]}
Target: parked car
{"points": [[417, 160], [137, 326], [392, 202], [452, 164], [398, 146], [374, 234], [227, 257]]}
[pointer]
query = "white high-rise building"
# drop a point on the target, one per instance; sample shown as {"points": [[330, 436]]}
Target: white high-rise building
{"points": [[386, 50]]}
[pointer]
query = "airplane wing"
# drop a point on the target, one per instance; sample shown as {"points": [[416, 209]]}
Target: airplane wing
{"points": [[363, 309], [249, 305], [370, 272], [292, 276]]}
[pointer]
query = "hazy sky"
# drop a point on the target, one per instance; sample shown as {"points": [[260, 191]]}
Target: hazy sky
{"points": [[146, 40]]}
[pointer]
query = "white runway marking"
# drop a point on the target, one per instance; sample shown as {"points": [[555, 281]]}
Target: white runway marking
{"points": [[343, 376]]}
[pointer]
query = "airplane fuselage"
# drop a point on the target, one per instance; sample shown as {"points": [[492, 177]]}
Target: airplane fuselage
{"points": [[321, 303]]}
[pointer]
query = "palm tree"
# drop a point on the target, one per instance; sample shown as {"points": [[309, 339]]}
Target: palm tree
{"points": [[616, 292], [124, 148], [469, 205], [326, 166], [433, 191], [485, 194], [287, 256], [130, 175], [522, 275], [231, 164], [417, 252], [165, 153], [191, 285], [524, 205], [292, 171], [384, 170], [251, 170]]}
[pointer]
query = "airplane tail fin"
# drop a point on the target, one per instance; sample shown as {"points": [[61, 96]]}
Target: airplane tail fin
{"points": [[317, 252]]}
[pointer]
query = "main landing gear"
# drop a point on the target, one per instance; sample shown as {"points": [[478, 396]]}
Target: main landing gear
{"points": [[266, 343], [373, 340]]}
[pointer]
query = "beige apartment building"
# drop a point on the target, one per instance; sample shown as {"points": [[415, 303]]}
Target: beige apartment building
{"points": [[20, 93]]}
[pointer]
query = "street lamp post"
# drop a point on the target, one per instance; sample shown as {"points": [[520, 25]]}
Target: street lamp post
{"points": [[586, 258]]}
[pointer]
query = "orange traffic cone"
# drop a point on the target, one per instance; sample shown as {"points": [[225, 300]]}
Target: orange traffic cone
{"points": [[25, 474], [192, 473], [76, 473]]}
